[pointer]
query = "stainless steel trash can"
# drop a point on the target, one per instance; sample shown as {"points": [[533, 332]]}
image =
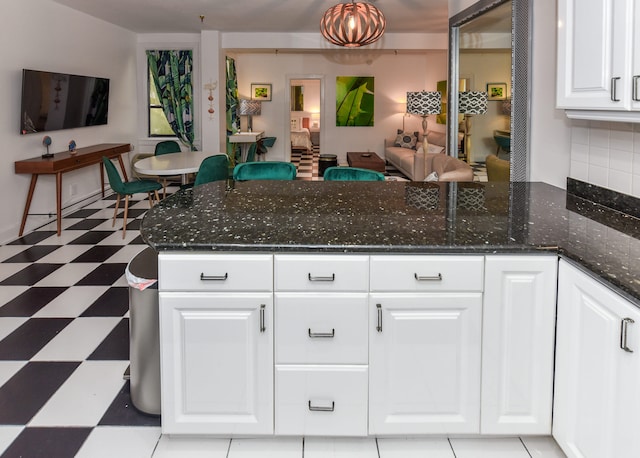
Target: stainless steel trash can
{"points": [[144, 332]]}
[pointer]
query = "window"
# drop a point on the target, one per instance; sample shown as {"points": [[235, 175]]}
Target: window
{"points": [[158, 124]]}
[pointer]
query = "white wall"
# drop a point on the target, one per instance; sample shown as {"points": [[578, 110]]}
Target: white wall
{"points": [[43, 35], [394, 76]]}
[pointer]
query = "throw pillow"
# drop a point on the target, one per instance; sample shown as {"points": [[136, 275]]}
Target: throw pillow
{"points": [[435, 149], [433, 176], [406, 139]]}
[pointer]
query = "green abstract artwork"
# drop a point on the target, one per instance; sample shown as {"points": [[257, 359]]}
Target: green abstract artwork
{"points": [[354, 101]]}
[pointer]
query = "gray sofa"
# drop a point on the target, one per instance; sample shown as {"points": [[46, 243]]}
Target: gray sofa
{"points": [[417, 165]]}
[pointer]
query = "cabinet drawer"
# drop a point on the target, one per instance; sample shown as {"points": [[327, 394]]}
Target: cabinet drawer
{"points": [[427, 273], [326, 328], [321, 273], [321, 400], [215, 272]]}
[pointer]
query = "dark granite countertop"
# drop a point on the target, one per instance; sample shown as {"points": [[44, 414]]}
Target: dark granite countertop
{"points": [[400, 217]]}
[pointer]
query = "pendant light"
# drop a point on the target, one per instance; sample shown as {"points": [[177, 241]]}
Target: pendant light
{"points": [[352, 24]]}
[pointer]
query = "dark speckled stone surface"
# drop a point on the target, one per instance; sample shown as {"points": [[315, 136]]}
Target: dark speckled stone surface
{"points": [[399, 217]]}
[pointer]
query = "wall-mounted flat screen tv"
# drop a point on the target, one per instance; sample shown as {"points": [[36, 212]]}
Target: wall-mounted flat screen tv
{"points": [[54, 101]]}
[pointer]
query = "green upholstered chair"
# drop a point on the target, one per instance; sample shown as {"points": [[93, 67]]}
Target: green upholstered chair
{"points": [[167, 147], [128, 188], [213, 168], [498, 169], [351, 174], [251, 152], [269, 170]]}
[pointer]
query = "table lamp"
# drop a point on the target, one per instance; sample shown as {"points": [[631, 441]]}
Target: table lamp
{"points": [[424, 103], [470, 103], [250, 108]]}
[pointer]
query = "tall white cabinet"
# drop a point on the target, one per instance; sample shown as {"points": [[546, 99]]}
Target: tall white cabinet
{"points": [[518, 344], [597, 395], [598, 58]]}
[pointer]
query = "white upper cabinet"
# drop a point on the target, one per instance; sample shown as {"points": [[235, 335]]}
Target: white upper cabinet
{"points": [[598, 68]]}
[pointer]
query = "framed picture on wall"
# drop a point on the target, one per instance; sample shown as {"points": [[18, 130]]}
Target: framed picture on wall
{"points": [[497, 91], [261, 91]]}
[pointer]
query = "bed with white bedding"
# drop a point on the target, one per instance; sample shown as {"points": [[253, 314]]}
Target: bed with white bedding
{"points": [[301, 138]]}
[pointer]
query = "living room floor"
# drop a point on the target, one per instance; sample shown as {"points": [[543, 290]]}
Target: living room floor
{"points": [[64, 346], [306, 163]]}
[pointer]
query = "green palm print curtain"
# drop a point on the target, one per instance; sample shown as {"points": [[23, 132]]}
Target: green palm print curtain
{"points": [[171, 71], [233, 120]]}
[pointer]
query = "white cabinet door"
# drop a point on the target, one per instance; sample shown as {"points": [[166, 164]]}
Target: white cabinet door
{"points": [[597, 400], [518, 344], [594, 54], [217, 363], [424, 363]]}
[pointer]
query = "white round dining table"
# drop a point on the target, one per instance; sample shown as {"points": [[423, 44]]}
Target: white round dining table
{"points": [[182, 163]]}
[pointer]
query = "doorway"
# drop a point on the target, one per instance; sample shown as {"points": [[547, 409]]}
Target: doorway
{"points": [[305, 116]]}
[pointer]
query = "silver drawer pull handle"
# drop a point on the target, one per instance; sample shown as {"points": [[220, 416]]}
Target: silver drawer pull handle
{"points": [[624, 324], [428, 277], [322, 409], [379, 327], [635, 88], [331, 278], [614, 89], [262, 322], [315, 335], [204, 277]]}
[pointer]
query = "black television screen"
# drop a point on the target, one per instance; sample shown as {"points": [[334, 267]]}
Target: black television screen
{"points": [[54, 101]]}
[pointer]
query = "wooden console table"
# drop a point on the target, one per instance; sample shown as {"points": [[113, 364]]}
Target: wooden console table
{"points": [[66, 162]]}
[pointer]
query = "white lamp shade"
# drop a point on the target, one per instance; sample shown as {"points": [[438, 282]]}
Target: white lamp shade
{"points": [[250, 107], [424, 103], [472, 102]]}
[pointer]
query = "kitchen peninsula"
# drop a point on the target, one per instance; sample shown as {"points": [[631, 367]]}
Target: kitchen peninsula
{"points": [[359, 308]]}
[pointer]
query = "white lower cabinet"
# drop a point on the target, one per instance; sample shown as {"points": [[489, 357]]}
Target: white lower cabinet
{"points": [[424, 347], [597, 383], [518, 344]]}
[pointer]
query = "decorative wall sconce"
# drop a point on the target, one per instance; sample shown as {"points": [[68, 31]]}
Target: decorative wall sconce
{"points": [[211, 86]]}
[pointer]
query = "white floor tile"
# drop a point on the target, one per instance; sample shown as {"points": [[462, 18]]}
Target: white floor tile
{"points": [[84, 397], [10, 268], [116, 237], [316, 447], [10, 324], [543, 447], [120, 442], [68, 274], [8, 369], [53, 225], [127, 253], [122, 281], [9, 292], [8, 251], [415, 448], [191, 447], [64, 254], [72, 302], [7, 435], [78, 340], [281, 447], [509, 447], [108, 224]]}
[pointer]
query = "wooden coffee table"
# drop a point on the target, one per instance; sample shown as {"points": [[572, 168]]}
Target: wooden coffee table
{"points": [[366, 160]]}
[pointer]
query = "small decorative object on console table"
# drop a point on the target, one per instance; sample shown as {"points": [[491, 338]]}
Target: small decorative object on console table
{"points": [[72, 147], [46, 141], [424, 103]]}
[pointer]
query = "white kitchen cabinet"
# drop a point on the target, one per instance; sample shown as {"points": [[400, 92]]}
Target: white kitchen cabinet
{"points": [[518, 344], [424, 347], [595, 54], [216, 345], [321, 345], [597, 400]]}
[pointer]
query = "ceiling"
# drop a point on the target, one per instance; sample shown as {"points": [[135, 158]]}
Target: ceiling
{"points": [[183, 16]]}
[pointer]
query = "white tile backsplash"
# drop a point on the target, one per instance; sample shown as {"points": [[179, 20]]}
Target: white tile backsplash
{"points": [[607, 154]]}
